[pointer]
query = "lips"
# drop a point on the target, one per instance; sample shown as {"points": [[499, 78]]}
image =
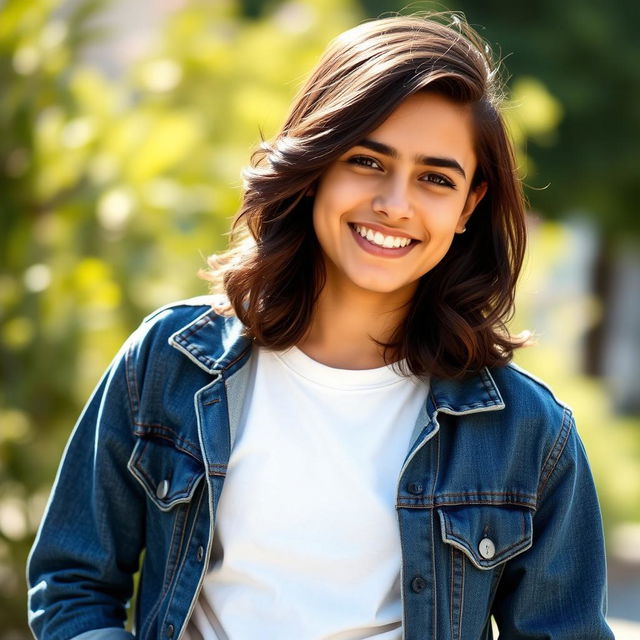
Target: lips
{"points": [[377, 243]]}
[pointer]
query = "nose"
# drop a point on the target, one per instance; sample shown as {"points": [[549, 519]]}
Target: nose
{"points": [[393, 200]]}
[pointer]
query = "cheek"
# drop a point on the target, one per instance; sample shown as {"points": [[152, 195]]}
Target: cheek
{"points": [[441, 215], [334, 199], [339, 189], [329, 206], [325, 223]]}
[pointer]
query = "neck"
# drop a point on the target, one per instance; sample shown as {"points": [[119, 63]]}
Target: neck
{"points": [[347, 324]]}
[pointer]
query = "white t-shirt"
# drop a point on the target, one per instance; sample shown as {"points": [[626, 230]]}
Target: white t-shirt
{"points": [[306, 533]]}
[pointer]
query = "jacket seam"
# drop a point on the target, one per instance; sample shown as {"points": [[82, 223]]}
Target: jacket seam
{"points": [[427, 503], [166, 585], [487, 493], [451, 560], [556, 452], [185, 542], [451, 589], [133, 393], [239, 356], [198, 324], [435, 502], [203, 569], [456, 589], [461, 608], [485, 376], [434, 596], [177, 440], [196, 352]]}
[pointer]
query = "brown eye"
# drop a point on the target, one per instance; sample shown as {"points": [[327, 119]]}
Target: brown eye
{"points": [[439, 180], [364, 161]]}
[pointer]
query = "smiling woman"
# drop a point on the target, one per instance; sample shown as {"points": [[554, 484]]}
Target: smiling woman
{"points": [[403, 116], [410, 188], [338, 445]]}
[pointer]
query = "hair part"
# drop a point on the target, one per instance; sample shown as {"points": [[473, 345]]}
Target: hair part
{"points": [[274, 271]]}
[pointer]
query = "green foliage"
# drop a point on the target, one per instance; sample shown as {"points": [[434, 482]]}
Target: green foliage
{"points": [[560, 316], [114, 190]]}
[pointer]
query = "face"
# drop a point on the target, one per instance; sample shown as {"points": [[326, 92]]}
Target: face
{"points": [[387, 210]]}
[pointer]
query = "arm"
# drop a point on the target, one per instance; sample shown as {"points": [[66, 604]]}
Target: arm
{"points": [[87, 549], [557, 589]]}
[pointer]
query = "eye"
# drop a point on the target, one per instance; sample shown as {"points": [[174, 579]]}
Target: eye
{"points": [[364, 161], [439, 180]]}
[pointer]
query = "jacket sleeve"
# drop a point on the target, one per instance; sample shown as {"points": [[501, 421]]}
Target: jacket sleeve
{"points": [[557, 589], [80, 570]]}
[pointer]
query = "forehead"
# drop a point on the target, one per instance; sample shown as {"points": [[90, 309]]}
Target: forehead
{"points": [[430, 124]]}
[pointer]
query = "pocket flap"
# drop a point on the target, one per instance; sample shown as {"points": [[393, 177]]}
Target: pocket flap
{"points": [[487, 534], [168, 475]]}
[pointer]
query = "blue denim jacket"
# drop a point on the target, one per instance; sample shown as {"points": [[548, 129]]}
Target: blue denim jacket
{"points": [[496, 506]]}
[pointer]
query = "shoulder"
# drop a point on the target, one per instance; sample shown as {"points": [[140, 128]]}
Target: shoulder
{"points": [[175, 315], [526, 394], [507, 407], [184, 315], [543, 421]]}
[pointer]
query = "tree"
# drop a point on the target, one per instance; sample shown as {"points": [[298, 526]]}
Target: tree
{"points": [[114, 190]]}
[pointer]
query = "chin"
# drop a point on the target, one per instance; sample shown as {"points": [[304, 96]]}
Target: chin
{"points": [[379, 285]]}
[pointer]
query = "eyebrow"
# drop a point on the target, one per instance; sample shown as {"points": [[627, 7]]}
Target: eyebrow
{"points": [[433, 161]]}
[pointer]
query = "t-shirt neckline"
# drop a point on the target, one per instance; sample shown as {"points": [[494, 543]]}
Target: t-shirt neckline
{"points": [[303, 365]]}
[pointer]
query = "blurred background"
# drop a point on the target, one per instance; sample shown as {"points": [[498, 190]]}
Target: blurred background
{"points": [[123, 130]]}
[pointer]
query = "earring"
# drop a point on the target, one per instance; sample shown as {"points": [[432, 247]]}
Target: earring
{"points": [[463, 230]]}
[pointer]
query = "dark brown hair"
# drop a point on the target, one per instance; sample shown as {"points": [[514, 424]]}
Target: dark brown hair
{"points": [[274, 271]]}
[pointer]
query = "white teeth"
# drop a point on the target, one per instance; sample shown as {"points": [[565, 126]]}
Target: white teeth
{"points": [[377, 238]]}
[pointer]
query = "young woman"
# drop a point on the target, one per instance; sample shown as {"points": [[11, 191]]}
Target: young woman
{"points": [[339, 447]]}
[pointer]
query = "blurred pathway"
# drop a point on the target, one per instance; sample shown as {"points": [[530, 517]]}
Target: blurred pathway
{"points": [[624, 600]]}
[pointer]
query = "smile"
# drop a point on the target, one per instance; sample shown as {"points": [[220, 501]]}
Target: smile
{"points": [[381, 240]]}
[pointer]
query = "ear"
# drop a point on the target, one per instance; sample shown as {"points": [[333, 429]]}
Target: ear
{"points": [[473, 198]]}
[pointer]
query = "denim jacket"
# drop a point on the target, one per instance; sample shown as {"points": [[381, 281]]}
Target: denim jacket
{"points": [[497, 510]]}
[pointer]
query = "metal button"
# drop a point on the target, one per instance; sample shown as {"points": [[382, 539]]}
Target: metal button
{"points": [[162, 490], [170, 628], [418, 584], [487, 548], [200, 553], [415, 488]]}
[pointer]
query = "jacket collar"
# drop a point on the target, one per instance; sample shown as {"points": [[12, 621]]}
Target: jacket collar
{"points": [[216, 344], [473, 394]]}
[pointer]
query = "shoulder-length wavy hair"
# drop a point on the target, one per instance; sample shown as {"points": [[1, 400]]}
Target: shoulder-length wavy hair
{"points": [[274, 271]]}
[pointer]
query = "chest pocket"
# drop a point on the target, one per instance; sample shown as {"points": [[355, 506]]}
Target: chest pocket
{"points": [[487, 534], [169, 474]]}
